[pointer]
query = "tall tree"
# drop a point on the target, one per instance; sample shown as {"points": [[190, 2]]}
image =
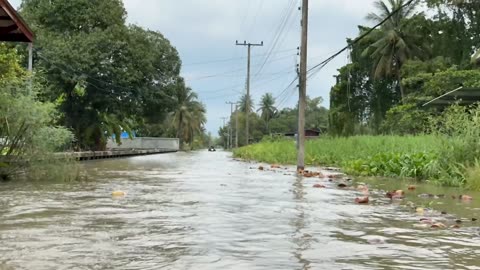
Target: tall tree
{"points": [[393, 44], [267, 109], [188, 116], [243, 103], [105, 76]]}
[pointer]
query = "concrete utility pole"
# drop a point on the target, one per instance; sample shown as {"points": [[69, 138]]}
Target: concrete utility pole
{"points": [[226, 142], [230, 128], [247, 109], [302, 93], [236, 126]]}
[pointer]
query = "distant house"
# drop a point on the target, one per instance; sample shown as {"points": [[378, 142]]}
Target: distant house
{"points": [[14, 29], [309, 133]]}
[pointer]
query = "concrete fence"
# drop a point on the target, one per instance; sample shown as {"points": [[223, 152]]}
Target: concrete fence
{"points": [[146, 143]]}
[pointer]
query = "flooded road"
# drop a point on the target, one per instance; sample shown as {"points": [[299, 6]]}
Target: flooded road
{"points": [[206, 211]]}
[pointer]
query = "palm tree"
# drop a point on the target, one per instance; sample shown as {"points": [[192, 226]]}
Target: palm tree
{"points": [[393, 45], [195, 126], [267, 108], [188, 117], [243, 103]]}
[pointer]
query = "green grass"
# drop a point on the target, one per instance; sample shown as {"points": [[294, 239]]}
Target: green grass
{"points": [[336, 151], [392, 156]]}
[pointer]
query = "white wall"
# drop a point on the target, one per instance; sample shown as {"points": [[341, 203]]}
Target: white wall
{"points": [[145, 143]]}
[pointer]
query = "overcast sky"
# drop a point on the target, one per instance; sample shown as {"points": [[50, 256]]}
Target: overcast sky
{"points": [[204, 33]]}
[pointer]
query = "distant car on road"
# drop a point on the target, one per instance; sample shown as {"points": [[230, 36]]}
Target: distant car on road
{"points": [[211, 149]]}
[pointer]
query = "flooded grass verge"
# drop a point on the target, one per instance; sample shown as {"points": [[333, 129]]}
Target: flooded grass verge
{"points": [[425, 157]]}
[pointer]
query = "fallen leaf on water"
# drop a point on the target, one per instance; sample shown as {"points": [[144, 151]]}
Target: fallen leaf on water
{"points": [[412, 187], [118, 193], [396, 194], [361, 187], [308, 174], [421, 226], [363, 200], [319, 186], [275, 166], [465, 197], [438, 225]]}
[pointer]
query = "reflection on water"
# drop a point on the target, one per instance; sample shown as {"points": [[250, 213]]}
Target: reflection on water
{"points": [[205, 211]]}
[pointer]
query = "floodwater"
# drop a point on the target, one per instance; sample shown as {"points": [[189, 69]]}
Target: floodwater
{"points": [[203, 210]]}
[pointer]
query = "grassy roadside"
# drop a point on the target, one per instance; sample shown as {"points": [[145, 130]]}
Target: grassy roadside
{"points": [[420, 157]]}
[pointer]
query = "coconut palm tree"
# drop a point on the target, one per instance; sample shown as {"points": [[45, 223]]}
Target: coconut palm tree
{"points": [[267, 109], [189, 114], [243, 103], [198, 111], [393, 44]]}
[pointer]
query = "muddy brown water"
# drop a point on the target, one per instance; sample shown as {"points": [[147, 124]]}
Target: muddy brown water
{"points": [[203, 210]]}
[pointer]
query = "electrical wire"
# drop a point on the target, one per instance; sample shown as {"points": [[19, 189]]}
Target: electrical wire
{"points": [[284, 21], [315, 69]]}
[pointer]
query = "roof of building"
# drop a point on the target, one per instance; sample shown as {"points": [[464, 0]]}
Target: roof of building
{"points": [[12, 26], [461, 95]]}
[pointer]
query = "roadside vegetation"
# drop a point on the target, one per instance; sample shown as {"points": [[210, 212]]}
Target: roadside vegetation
{"points": [[377, 124], [95, 76], [448, 155]]}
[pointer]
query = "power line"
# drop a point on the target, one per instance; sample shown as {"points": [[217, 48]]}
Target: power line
{"points": [[283, 22], [225, 74], [322, 64], [234, 58]]}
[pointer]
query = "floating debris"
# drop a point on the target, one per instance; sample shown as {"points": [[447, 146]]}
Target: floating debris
{"points": [[438, 225], [275, 166], [412, 187], [260, 168], [465, 198], [119, 193], [421, 226], [396, 194], [363, 200]]}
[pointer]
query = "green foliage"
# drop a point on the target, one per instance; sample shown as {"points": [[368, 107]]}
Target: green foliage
{"points": [[267, 109], [406, 119], [28, 137], [105, 76], [429, 53], [188, 117], [347, 152], [416, 165], [472, 179]]}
